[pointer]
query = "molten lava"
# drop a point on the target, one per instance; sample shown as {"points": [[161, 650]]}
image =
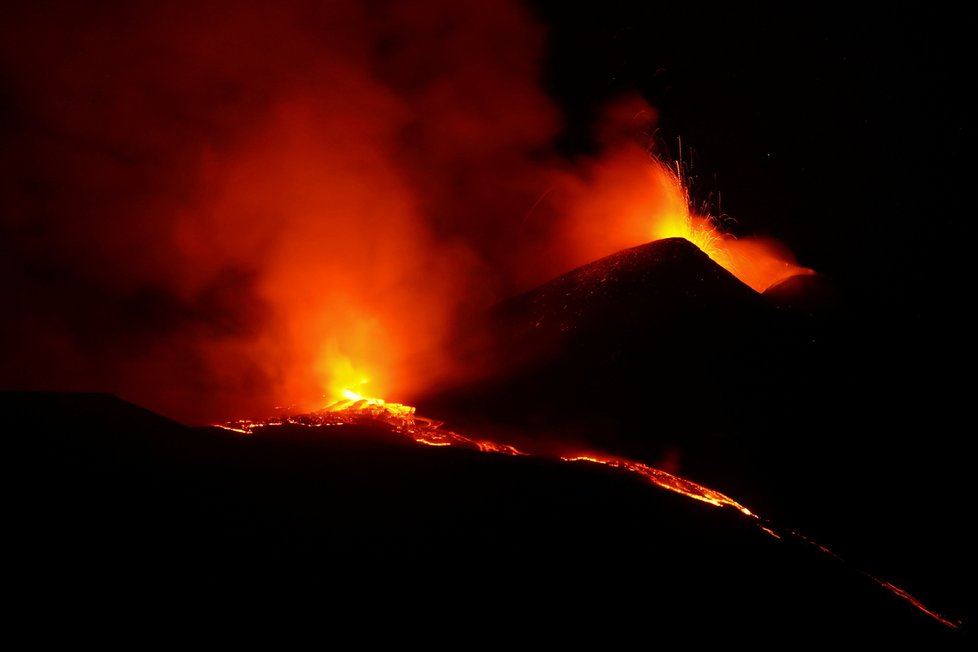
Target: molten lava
{"points": [[665, 480], [404, 420], [629, 197], [757, 262]]}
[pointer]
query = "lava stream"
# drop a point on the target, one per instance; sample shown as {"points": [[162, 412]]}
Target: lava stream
{"points": [[403, 419]]}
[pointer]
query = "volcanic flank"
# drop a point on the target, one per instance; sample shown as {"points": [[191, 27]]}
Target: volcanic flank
{"points": [[658, 354], [654, 332], [132, 509]]}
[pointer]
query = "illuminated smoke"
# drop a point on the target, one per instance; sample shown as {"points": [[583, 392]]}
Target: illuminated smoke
{"points": [[212, 208]]}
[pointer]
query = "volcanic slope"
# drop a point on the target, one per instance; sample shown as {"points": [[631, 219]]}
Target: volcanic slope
{"points": [[637, 353], [786, 400], [129, 512]]}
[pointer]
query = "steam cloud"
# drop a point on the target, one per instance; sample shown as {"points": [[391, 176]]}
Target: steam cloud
{"points": [[211, 208]]}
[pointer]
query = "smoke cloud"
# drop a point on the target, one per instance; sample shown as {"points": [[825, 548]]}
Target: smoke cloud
{"points": [[213, 208]]}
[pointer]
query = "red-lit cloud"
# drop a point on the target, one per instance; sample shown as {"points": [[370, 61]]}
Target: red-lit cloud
{"points": [[212, 208]]}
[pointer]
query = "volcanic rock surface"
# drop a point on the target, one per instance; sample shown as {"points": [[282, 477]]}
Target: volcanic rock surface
{"points": [[128, 511], [637, 353]]}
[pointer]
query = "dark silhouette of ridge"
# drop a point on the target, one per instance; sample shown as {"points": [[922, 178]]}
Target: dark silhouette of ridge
{"points": [[658, 329], [128, 510], [779, 399]]}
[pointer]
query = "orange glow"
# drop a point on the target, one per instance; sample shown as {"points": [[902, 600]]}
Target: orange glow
{"points": [[896, 590], [771, 532], [240, 427], [758, 262], [301, 206], [628, 198], [493, 447], [344, 382], [665, 480]]}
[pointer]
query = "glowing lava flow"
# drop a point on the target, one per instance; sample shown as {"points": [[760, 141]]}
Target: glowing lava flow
{"points": [[404, 420], [665, 480], [400, 418]]}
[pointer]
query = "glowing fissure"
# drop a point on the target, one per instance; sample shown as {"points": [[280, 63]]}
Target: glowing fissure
{"points": [[896, 590], [400, 418], [403, 419], [665, 480], [889, 586]]}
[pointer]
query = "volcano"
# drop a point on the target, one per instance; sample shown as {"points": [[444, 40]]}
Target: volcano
{"points": [[659, 329], [659, 354]]}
